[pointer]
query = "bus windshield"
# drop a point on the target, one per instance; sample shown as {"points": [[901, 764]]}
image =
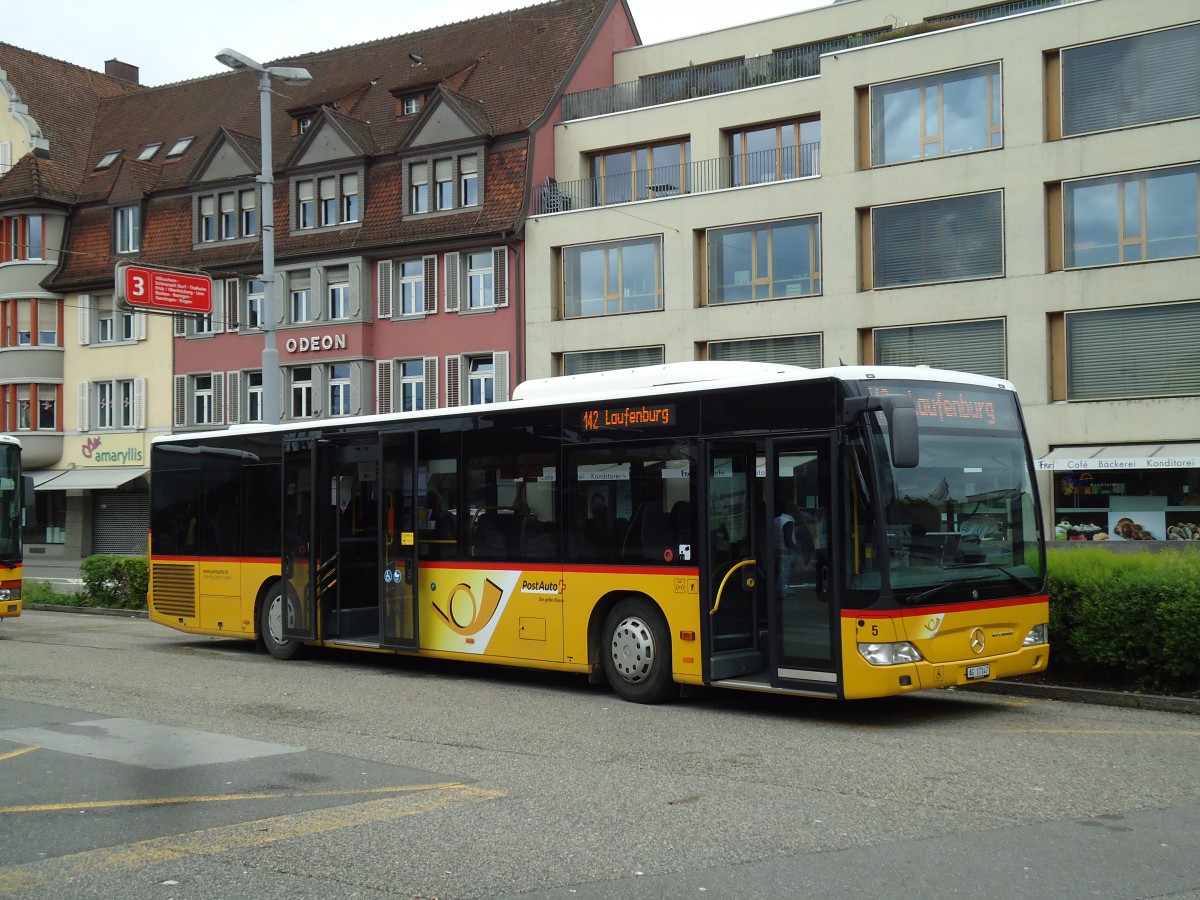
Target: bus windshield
{"points": [[963, 524]]}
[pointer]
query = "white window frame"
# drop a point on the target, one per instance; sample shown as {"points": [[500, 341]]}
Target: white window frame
{"points": [[127, 228]]}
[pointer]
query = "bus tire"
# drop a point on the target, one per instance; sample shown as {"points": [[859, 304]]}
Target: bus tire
{"points": [[636, 653], [270, 626]]}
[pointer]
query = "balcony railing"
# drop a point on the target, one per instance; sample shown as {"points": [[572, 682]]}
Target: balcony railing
{"points": [[703, 176]]}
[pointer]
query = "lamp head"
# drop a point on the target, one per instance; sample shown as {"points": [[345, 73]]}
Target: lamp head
{"points": [[296, 77], [235, 60]]}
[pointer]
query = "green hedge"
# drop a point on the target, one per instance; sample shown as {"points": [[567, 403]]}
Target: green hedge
{"points": [[117, 582], [1125, 619]]}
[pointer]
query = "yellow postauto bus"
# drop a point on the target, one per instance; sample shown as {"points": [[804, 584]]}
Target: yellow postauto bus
{"points": [[16, 492], [846, 532]]}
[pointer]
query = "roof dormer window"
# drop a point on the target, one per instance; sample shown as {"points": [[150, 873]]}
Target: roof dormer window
{"points": [[149, 150], [108, 159], [180, 146], [303, 123]]}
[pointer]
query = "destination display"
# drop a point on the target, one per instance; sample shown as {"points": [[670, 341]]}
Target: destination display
{"points": [[955, 407], [626, 417]]}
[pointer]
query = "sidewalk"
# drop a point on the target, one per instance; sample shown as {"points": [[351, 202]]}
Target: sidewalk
{"points": [[60, 572]]}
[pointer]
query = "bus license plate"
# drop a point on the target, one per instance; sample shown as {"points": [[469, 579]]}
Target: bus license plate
{"points": [[976, 672]]}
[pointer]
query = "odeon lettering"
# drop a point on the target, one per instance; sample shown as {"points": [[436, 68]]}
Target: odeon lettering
{"points": [[316, 342]]}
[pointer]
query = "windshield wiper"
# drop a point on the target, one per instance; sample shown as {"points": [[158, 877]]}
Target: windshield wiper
{"points": [[1029, 586], [910, 599]]}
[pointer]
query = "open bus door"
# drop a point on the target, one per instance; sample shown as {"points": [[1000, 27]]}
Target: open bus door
{"points": [[770, 572]]}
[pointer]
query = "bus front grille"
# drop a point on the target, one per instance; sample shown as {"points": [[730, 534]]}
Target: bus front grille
{"points": [[174, 590]]}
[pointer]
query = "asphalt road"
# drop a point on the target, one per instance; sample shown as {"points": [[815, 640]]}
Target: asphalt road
{"points": [[140, 762]]}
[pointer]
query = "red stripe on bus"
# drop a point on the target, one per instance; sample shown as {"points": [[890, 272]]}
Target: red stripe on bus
{"points": [[906, 611]]}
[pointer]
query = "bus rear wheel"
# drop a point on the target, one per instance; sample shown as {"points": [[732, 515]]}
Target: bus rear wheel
{"points": [[636, 653], [270, 626]]}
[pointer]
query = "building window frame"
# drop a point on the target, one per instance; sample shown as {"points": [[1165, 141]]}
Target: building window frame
{"points": [[766, 253], [775, 151], [325, 201], [615, 276], [127, 235], [1131, 217], [922, 104], [444, 182], [640, 172]]}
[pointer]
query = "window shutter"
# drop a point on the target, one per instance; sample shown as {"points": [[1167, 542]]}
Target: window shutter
{"points": [[500, 367], [383, 277], [180, 411], [83, 395], [950, 239], [218, 390], [430, 283], [233, 397], [232, 312], [139, 325], [798, 350], [383, 385], [500, 275], [452, 283], [139, 403], [1142, 351], [85, 319], [355, 275], [453, 364], [959, 346], [431, 382], [357, 388], [180, 324], [218, 316]]}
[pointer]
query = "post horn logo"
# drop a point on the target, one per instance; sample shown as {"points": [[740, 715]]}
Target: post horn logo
{"points": [[466, 615]]}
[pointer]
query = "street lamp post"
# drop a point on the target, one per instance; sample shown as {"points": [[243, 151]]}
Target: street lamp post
{"points": [[272, 411]]}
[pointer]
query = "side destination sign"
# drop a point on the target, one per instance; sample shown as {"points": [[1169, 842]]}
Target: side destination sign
{"points": [[163, 289]]}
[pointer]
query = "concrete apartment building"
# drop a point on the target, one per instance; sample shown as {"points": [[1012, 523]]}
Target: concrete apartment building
{"points": [[1009, 189]]}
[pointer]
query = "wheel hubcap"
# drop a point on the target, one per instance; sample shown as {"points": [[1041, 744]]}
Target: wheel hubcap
{"points": [[275, 620], [633, 649]]}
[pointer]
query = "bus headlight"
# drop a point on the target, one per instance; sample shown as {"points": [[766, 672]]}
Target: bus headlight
{"points": [[889, 654], [5, 594], [1038, 634]]}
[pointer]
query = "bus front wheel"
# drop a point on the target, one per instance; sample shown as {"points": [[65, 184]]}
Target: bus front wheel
{"points": [[637, 652], [270, 626]]}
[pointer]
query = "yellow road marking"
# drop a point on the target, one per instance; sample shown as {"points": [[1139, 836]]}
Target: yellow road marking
{"points": [[217, 798], [240, 837], [11, 753]]}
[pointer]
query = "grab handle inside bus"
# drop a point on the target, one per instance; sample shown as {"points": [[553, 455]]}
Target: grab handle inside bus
{"points": [[901, 415]]}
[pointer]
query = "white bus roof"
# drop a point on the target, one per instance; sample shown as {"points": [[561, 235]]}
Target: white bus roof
{"points": [[619, 384]]}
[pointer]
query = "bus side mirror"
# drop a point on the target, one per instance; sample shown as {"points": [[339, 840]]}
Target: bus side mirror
{"points": [[902, 426], [27, 498], [901, 414]]}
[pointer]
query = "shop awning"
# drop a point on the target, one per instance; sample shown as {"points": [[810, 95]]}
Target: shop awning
{"points": [[100, 478], [1118, 457]]}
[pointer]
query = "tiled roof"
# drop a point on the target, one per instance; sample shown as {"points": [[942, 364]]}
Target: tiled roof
{"points": [[63, 99], [499, 72]]}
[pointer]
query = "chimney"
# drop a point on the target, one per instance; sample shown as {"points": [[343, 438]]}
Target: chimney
{"points": [[114, 68]]}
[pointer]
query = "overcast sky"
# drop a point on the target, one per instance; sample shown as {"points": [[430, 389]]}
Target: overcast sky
{"points": [[168, 44]]}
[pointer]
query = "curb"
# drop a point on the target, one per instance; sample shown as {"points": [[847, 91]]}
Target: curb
{"points": [[90, 610], [1162, 703]]}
